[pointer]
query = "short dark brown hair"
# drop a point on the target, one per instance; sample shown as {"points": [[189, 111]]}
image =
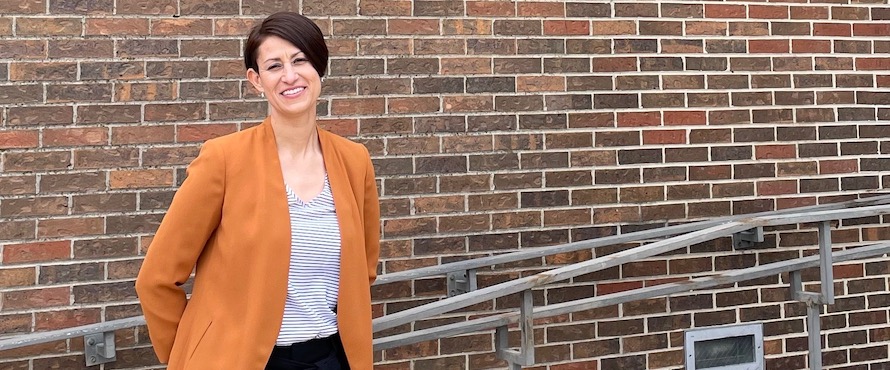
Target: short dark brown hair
{"points": [[294, 28]]}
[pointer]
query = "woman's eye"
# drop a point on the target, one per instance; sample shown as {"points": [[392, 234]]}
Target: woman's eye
{"points": [[300, 60], [273, 67]]}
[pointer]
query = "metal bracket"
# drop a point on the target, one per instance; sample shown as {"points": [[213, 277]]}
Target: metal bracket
{"points": [[815, 300], [99, 348], [526, 353], [460, 282], [746, 239]]}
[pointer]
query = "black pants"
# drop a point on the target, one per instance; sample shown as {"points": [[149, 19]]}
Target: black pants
{"points": [[316, 354]]}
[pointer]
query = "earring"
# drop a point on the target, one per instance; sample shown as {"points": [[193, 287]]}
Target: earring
{"points": [[262, 94]]}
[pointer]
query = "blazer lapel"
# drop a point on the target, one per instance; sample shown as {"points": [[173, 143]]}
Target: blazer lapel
{"points": [[341, 189]]}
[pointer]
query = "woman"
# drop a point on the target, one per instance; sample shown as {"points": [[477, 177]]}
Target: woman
{"points": [[280, 223]]}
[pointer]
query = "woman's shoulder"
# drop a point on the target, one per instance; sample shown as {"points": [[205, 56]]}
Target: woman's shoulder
{"points": [[238, 139], [344, 145]]}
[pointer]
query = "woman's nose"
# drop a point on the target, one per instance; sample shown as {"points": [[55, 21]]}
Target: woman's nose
{"points": [[290, 73]]}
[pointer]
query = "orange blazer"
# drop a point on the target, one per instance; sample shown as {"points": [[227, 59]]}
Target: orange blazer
{"points": [[229, 222]]}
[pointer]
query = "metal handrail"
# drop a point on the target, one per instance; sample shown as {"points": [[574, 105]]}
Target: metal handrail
{"points": [[734, 276], [612, 260], [607, 241], [695, 233]]}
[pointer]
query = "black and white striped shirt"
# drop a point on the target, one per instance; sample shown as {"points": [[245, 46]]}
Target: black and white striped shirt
{"points": [[314, 276]]}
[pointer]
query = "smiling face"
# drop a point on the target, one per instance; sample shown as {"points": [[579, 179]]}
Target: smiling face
{"points": [[287, 78]]}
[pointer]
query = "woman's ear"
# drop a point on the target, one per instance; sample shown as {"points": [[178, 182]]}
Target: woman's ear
{"points": [[254, 79]]}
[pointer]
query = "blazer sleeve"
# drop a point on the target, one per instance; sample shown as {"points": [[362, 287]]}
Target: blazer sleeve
{"points": [[193, 216], [371, 221]]}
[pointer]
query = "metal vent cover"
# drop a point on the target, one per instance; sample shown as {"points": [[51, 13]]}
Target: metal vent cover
{"points": [[736, 347]]}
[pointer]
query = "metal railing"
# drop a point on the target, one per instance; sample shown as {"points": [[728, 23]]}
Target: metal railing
{"points": [[99, 346]]}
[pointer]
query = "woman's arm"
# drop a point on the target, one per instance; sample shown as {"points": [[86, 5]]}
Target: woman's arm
{"points": [[192, 218], [371, 221]]}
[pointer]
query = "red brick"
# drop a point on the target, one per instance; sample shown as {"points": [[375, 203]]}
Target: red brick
{"points": [[639, 119], [873, 64], [146, 7], [51, 71], [768, 46], [141, 179], [48, 27], [181, 27], [34, 206], [848, 271], [413, 27], [832, 29], [18, 139], [780, 187], [385, 7], [566, 27], [491, 8], [358, 106], [685, 118], [871, 29], [23, 49], [54, 320], [17, 185], [439, 46], [540, 83], [465, 66], [725, 11], [664, 137], [23, 7], [68, 227], [614, 64], [36, 252], [778, 151], [706, 28], [33, 161], [608, 288], [81, 48], [809, 12], [541, 9], [838, 166], [468, 103], [36, 298], [142, 134], [768, 12], [342, 127], [203, 132], [419, 104], [75, 136], [810, 46], [117, 27], [174, 112]]}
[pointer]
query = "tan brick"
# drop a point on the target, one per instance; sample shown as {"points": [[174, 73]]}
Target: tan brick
{"points": [[141, 179], [117, 27], [181, 27], [146, 7], [23, 7]]}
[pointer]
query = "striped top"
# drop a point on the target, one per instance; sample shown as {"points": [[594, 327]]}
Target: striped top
{"points": [[314, 276]]}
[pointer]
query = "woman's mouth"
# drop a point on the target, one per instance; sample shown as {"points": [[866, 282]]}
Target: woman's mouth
{"points": [[293, 92]]}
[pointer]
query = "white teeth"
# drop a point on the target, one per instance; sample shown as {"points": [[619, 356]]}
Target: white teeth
{"points": [[293, 91]]}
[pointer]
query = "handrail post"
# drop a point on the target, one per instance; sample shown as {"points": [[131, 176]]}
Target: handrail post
{"points": [[815, 301], [826, 270], [526, 353]]}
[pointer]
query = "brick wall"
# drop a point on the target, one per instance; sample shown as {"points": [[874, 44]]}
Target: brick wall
{"points": [[494, 126]]}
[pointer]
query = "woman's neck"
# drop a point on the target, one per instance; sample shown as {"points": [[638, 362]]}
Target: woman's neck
{"points": [[296, 136]]}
